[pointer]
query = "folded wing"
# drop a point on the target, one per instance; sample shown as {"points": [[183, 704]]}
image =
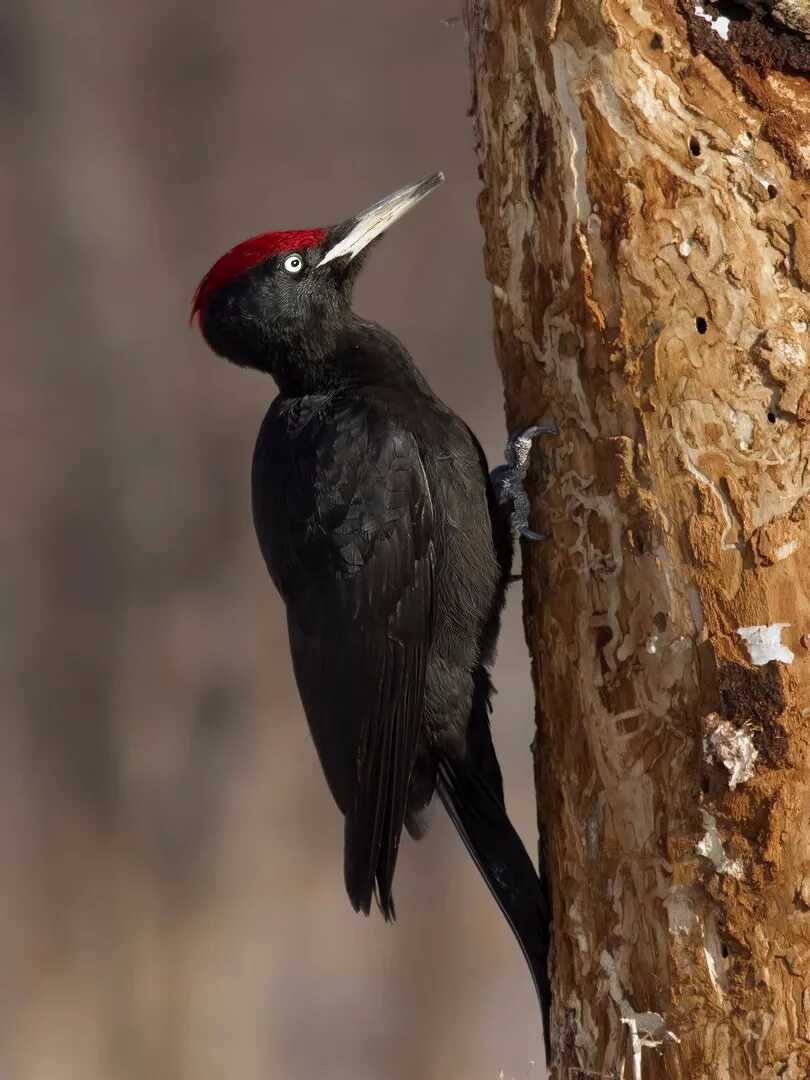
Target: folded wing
{"points": [[359, 596]]}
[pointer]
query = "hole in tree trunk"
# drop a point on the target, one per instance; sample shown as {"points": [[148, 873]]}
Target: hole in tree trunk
{"points": [[701, 325]]}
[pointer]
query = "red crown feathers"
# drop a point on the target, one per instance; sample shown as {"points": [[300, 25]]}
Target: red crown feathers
{"points": [[248, 254]]}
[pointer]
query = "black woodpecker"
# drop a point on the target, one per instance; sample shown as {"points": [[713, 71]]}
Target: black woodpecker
{"points": [[391, 546]]}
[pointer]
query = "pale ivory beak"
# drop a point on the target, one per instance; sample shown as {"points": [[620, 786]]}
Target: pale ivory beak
{"points": [[374, 221]]}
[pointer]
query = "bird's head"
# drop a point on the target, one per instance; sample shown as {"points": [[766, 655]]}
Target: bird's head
{"points": [[282, 298]]}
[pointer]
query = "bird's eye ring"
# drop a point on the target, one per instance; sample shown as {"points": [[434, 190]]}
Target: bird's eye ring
{"points": [[293, 264]]}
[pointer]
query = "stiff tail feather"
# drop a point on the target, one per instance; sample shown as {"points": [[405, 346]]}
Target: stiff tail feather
{"points": [[482, 823]]}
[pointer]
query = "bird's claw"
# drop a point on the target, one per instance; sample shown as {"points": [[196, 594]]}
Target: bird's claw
{"points": [[519, 445], [530, 534], [508, 479]]}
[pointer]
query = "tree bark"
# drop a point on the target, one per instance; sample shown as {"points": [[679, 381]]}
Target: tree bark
{"points": [[647, 215]]}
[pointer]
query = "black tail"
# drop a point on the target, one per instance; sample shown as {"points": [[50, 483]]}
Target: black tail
{"points": [[470, 790]]}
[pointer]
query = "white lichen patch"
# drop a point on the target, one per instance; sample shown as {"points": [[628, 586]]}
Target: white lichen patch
{"points": [[719, 23], [744, 426], [680, 913], [711, 848], [713, 955], [784, 551], [764, 643], [711, 966], [790, 353], [729, 746], [646, 1028]]}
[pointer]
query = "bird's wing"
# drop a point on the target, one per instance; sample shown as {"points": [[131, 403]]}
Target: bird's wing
{"points": [[349, 542]]}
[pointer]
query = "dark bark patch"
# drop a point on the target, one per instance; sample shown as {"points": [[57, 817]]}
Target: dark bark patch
{"points": [[754, 38], [767, 46], [756, 696], [757, 45]]}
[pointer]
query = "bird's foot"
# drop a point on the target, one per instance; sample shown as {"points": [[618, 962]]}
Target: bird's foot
{"points": [[507, 479]]}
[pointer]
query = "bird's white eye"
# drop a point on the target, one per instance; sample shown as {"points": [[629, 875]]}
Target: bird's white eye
{"points": [[293, 264]]}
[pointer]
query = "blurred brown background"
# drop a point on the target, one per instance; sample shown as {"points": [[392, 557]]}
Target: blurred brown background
{"points": [[171, 895]]}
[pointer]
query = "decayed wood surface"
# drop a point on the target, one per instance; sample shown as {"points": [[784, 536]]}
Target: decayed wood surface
{"points": [[646, 205]]}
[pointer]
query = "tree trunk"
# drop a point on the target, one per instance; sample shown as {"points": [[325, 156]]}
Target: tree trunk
{"points": [[646, 203]]}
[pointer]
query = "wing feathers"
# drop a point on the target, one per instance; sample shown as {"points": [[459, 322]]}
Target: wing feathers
{"points": [[356, 572]]}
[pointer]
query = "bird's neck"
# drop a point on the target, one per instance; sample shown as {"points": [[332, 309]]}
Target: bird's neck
{"points": [[357, 354], [301, 368]]}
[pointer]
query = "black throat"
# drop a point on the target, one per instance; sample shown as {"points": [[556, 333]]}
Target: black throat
{"points": [[353, 354]]}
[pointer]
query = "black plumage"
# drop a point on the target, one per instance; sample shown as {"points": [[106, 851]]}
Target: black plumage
{"points": [[380, 528]]}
